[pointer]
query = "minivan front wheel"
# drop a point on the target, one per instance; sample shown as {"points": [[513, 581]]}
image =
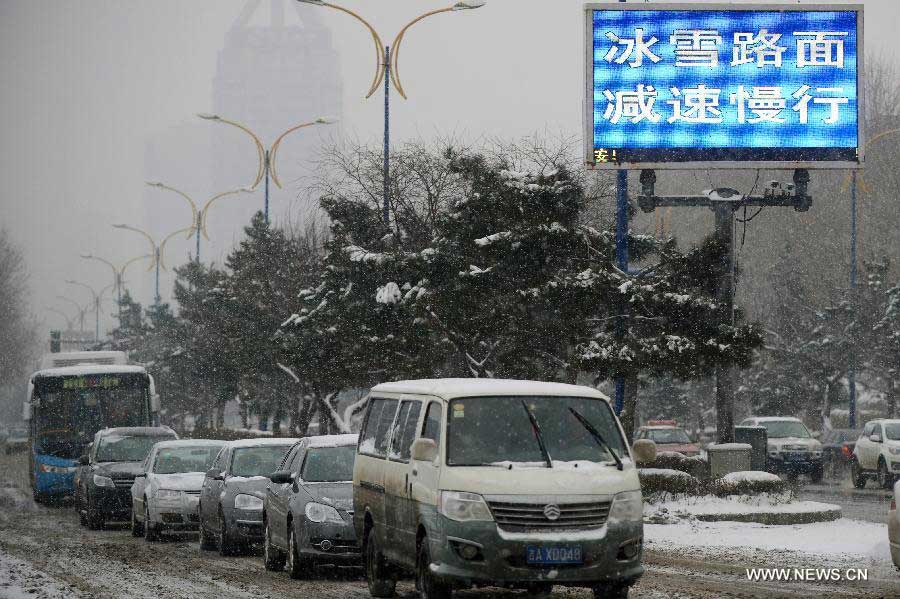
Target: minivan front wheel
{"points": [[379, 580], [429, 587]]}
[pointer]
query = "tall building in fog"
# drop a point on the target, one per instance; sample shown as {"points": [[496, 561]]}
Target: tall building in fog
{"points": [[278, 68]]}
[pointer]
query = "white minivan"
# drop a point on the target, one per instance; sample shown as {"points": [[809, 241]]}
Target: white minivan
{"points": [[480, 482]]}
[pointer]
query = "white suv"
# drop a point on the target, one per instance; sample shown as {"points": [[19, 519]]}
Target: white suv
{"points": [[877, 454]]}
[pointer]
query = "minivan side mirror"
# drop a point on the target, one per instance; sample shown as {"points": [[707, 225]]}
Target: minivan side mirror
{"points": [[875, 438], [424, 450], [214, 473], [282, 477], [84, 460]]}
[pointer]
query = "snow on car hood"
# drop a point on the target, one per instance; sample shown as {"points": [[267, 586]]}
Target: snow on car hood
{"points": [[339, 495], [189, 481], [251, 485]]}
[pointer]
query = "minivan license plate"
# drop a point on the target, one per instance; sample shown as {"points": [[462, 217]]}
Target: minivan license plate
{"points": [[553, 555]]}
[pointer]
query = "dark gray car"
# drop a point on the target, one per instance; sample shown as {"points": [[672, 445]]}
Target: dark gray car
{"points": [[308, 509], [231, 499], [107, 470]]}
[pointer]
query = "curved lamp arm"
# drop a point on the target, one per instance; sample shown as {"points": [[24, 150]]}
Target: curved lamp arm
{"points": [[274, 151], [204, 215], [153, 246], [376, 39], [398, 41], [104, 261], [132, 261], [78, 307], [190, 200], [260, 149], [88, 287], [162, 246], [64, 315]]}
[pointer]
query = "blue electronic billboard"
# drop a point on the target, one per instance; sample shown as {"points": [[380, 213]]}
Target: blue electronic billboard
{"points": [[707, 85]]}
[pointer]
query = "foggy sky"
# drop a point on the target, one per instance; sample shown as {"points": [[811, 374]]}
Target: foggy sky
{"points": [[85, 84]]}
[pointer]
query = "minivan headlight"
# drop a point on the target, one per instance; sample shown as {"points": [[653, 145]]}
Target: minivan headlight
{"points": [[317, 512], [464, 507], [894, 450], [248, 502], [103, 481], [628, 505]]}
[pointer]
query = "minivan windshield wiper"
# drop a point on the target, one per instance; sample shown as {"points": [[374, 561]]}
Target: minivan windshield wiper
{"points": [[536, 428], [597, 437]]}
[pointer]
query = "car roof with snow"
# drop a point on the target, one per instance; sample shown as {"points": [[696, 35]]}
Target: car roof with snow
{"points": [[137, 431], [87, 369], [262, 442], [331, 440], [189, 443], [453, 388], [774, 419]]}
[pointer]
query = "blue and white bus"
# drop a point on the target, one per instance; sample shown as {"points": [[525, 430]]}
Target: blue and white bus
{"points": [[68, 404]]}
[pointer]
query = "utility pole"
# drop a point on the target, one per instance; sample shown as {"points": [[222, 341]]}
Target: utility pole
{"points": [[724, 202]]}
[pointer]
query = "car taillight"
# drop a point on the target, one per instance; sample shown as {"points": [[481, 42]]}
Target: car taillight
{"points": [[845, 449], [893, 507]]}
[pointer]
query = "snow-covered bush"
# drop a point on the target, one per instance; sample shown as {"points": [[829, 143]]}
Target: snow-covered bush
{"points": [[671, 460], [747, 483], [657, 481]]}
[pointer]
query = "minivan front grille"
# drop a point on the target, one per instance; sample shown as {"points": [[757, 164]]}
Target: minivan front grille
{"points": [[522, 517]]}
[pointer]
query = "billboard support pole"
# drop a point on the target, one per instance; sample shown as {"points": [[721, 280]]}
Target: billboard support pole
{"points": [[724, 202], [622, 262], [851, 373], [725, 374]]}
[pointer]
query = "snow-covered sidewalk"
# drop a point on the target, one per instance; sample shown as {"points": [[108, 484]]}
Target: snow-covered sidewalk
{"points": [[20, 580], [841, 542]]}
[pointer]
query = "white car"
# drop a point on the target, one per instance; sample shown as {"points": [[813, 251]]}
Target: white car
{"points": [[894, 527], [877, 454], [166, 495], [791, 447]]}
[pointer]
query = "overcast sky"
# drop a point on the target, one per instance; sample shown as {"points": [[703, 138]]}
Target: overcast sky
{"points": [[86, 83]]}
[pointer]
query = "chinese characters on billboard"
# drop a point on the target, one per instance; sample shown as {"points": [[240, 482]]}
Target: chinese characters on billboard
{"points": [[674, 85]]}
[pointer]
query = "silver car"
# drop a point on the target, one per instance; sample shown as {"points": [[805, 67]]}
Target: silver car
{"points": [[165, 496], [231, 499]]}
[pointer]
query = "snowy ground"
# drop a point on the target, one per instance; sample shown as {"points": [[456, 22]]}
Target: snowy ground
{"points": [[840, 543], [19, 579]]}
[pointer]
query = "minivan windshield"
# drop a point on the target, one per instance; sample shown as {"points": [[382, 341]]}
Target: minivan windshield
{"points": [[496, 431], [892, 431], [785, 428]]}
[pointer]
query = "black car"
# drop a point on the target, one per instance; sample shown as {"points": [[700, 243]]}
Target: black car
{"points": [[308, 510], [837, 449], [107, 470]]}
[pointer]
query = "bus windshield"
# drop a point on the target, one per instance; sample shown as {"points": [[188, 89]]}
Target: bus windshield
{"points": [[69, 410]]}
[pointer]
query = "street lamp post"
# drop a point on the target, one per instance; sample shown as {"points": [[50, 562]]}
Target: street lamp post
{"points": [[96, 302], [117, 280], [198, 223], [79, 309], [266, 168], [387, 60], [156, 252]]}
